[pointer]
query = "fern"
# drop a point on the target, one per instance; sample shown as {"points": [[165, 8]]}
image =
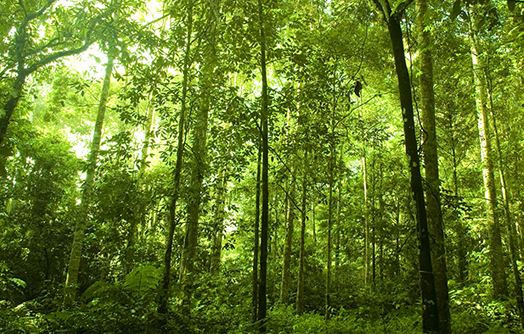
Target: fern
{"points": [[142, 279]]}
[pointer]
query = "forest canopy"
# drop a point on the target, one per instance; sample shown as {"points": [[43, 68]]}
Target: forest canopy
{"points": [[261, 166]]}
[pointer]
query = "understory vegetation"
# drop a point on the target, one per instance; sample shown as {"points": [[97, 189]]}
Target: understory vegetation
{"points": [[261, 166]]}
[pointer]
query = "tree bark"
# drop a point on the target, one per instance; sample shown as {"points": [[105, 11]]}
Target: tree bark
{"points": [[78, 237], [256, 247], [512, 232], [171, 219], [264, 115], [430, 316], [429, 149], [500, 289], [197, 178], [21, 59], [286, 267], [220, 195], [302, 255], [329, 228]]}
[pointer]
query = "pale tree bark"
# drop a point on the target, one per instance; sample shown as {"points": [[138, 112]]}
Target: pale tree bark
{"points": [[366, 216], [195, 188], [286, 266], [87, 190], [460, 229], [199, 148], [429, 149], [430, 314], [329, 228], [220, 205], [497, 263], [171, 219], [302, 255]]}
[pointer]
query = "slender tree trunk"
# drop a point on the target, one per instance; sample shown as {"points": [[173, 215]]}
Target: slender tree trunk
{"points": [[366, 217], [302, 255], [143, 187], [286, 267], [512, 232], [262, 306], [329, 228], [256, 247], [220, 196], [430, 319], [313, 221], [429, 148], [500, 289], [87, 190], [197, 178], [171, 220]]}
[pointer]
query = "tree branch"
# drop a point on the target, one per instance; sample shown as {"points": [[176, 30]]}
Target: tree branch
{"points": [[87, 42]]}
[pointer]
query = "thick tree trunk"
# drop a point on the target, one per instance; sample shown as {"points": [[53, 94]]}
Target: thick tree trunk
{"points": [[171, 219], [429, 149], [12, 103], [497, 263], [262, 301], [302, 255], [78, 237]]}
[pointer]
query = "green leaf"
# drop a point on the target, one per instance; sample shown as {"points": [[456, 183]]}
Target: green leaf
{"points": [[90, 292], [142, 279], [457, 8]]}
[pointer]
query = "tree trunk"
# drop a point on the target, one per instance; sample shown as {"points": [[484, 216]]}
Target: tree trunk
{"points": [[329, 228], [256, 247], [460, 230], [302, 255], [286, 267], [220, 195], [500, 289], [512, 232], [197, 178], [264, 114], [430, 319], [171, 220], [429, 149], [366, 218], [78, 237], [143, 187]]}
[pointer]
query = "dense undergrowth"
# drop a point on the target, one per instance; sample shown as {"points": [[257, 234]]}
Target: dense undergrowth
{"points": [[223, 306]]}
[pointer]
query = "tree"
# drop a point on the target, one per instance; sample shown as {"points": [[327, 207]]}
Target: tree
{"points": [[28, 53], [430, 316], [429, 147], [500, 289], [172, 219], [76, 249], [264, 221]]}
